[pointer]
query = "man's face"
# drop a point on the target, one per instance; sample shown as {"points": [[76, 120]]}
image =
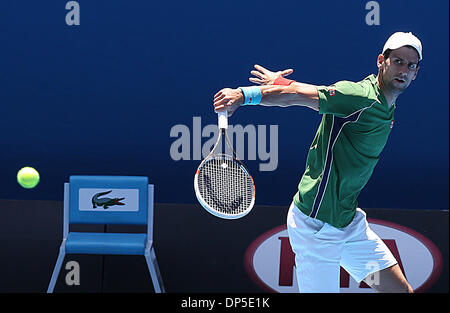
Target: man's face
{"points": [[399, 69]]}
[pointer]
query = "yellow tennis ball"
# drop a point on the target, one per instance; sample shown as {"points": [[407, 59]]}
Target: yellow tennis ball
{"points": [[28, 177]]}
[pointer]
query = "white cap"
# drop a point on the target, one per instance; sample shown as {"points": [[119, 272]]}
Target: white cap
{"points": [[401, 39]]}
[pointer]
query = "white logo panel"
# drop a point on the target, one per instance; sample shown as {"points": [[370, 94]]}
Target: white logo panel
{"points": [[108, 199], [270, 260]]}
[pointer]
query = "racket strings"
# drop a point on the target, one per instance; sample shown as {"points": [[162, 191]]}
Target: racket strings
{"points": [[225, 185]]}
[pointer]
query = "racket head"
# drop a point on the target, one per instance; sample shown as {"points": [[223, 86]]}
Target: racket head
{"points": [[224, 187]]}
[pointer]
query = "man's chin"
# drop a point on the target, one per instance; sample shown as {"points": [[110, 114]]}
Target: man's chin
{"points": [[398, 87]]}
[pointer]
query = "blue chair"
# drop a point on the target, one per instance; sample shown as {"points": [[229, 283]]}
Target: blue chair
{"points": [[125, 200]]}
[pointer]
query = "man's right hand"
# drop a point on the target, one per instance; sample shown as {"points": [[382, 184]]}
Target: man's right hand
{"points": [[228, 99], [266, 77]]}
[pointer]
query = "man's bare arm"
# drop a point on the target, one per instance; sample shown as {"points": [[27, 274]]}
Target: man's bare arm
{"points": [[296, 94]]}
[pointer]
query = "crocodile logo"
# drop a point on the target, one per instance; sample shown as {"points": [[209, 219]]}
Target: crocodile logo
{"points": [[105, 202]]}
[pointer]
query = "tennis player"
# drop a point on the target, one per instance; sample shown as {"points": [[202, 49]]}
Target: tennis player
{"points": [[326, 228]]}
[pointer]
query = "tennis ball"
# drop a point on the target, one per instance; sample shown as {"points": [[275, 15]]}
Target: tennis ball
{"points": [[28, 177]]}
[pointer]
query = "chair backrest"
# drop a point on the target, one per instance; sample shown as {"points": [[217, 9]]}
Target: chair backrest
{"points": [[109, 200]]}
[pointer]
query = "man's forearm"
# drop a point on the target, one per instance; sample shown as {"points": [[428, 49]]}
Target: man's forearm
{"points": [[296, 94]]}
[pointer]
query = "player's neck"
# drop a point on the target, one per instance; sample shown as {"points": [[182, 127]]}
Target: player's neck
{"points": [[390, 97], [389, 94]]}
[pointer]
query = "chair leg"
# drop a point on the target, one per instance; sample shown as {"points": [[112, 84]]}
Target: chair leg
{"points": [[153, 268], [58, 265]]}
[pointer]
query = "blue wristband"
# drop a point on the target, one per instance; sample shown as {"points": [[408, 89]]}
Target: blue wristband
{"points": [[252, 95]]}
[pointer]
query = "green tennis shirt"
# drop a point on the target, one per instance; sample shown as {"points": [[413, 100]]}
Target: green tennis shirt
{"points": [[355, 127]]}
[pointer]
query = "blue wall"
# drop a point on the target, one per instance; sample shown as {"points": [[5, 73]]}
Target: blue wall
{"points": [[102, 97]]}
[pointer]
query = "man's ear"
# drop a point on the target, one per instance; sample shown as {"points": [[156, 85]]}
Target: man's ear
{"points": [[380, 61]]}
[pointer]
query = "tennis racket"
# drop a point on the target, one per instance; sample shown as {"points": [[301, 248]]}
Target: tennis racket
{"points": [[222, 184]]}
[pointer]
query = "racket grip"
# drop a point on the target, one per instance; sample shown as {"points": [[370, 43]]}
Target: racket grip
{"points": [[223, 119]]}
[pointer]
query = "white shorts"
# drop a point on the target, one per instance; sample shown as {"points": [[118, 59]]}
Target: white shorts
{"points": [[320, 249]]}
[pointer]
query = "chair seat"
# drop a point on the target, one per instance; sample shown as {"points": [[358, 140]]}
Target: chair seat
{"points": [[106, 243]]}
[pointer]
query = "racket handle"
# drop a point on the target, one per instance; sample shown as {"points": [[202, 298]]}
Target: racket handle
{"points": [[223, 119]]}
